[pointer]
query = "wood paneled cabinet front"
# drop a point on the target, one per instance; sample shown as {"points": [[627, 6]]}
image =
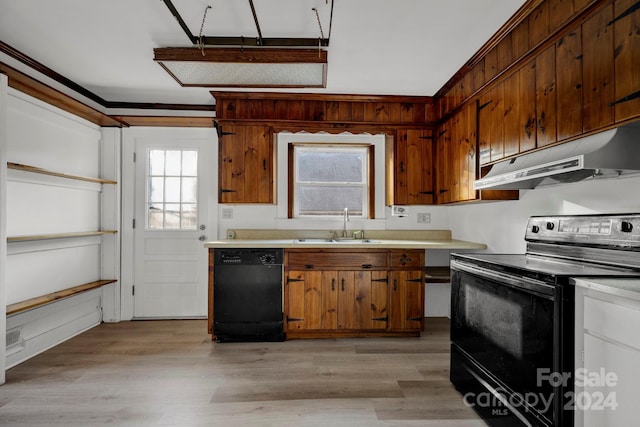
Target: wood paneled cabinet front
{"points": [[353, 293], [245, 164], [456, 157], [412, 179]]}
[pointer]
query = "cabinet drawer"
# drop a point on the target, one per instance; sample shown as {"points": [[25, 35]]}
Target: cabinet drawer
{"points": [[336, 260], [612, 321], [413, 258]]}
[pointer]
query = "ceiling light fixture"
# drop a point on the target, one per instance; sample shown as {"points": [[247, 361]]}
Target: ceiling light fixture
{"points": [[274, 63], [244, 67]]}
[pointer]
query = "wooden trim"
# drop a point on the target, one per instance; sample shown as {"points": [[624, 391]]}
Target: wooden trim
{"points": [[336, 333], [372, 128], [242, 55], [43, 69], [52, 236], [34, 169], [319, 97], [372, 182], [158, 106], [167, 121], [520, 15], [210, 294], [55, 296], [30, 86], [290, 178]]}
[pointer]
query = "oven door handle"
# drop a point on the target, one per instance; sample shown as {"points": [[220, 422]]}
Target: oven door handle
{"points": [[523, 283]]}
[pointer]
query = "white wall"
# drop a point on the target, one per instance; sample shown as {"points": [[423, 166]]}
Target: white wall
{"points": [[44, 136], [47, 137], [3, 216], [501, 225]]}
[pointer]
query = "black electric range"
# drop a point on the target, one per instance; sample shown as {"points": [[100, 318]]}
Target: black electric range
{"points": [[512, 315]]}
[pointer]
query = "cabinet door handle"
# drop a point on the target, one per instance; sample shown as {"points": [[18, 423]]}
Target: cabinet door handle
{"points": [[366, 265], [395, 284], [308, 266], [333, 284], [401, 167], [264, 164], [342, 285], [634, 95], [627, 12]]}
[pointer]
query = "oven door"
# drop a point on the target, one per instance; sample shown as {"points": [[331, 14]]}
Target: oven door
{"points": [[505, 334]]}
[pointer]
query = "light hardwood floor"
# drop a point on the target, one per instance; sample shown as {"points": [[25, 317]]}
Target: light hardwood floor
{"points": [[169, 373]]}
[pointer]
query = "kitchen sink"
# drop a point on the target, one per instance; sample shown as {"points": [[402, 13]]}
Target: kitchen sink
{"points": [[336, 241]]}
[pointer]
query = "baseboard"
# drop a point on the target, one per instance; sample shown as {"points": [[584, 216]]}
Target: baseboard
{"points": [[33, 331]]}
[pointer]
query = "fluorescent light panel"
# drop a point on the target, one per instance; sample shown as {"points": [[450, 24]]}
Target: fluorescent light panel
{"points": [[249, 67]]}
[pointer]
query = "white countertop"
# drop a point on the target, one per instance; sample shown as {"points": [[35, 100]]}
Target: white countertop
{"points": [[626, 288], [359, 244]]}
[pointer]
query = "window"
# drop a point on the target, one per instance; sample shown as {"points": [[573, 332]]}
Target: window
{"points": [[326, 179], [172, 190]]}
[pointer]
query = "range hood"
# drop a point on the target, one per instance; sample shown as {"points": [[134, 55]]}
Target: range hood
{"points": [[607, 154]]}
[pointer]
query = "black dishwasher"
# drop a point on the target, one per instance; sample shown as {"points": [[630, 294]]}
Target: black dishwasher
{"points": [[247, 295]]}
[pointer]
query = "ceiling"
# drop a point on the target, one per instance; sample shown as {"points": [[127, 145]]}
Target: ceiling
{"points": [[401, 47]]}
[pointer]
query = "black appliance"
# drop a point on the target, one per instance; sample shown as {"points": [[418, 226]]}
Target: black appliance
{"points": [[247, 295], [512, 315]]}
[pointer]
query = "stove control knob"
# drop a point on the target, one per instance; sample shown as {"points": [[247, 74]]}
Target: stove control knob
{"points": [[626, 227], [550, 225], [267, 259], [535, 229]]}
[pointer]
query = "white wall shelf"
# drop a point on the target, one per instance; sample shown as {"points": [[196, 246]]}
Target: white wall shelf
{"points": [[35, 169]]}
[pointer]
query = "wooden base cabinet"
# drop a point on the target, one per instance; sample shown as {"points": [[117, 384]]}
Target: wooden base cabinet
{"points": [[332, 293], [407, 300]]}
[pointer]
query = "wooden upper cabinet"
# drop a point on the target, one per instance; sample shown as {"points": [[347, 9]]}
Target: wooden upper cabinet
{"points": [[527, 107], [627, 60], [245, 164], [569, 84], [443, 164], [598, 70], [546, 97], [413, 162], [456, 157], [491, 123]]}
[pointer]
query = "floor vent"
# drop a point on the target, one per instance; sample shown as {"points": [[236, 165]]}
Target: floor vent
{"points": [[14, 337]]}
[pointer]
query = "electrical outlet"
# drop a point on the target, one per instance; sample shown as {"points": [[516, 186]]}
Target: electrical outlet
{"points": [[227, 213], [424, 218]]}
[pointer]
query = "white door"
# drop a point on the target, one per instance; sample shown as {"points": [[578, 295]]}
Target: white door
{"points": [[170, 273]]}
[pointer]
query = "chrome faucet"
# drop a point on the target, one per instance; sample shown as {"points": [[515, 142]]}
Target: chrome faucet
{"points": [[345, 216]]}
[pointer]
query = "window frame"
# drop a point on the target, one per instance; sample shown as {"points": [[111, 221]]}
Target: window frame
{"points": [[368, 186], [148, 183]]}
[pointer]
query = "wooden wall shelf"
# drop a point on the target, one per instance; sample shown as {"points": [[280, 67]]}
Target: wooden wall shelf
{"points": [[58, 236], [54, 296], [34, 169], [437, 274]]}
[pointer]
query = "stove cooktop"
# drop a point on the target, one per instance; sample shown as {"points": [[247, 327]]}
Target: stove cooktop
{"points": [[543, 265]]}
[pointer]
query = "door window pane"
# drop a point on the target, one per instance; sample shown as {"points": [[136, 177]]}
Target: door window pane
{"points": [[172, 190]]}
